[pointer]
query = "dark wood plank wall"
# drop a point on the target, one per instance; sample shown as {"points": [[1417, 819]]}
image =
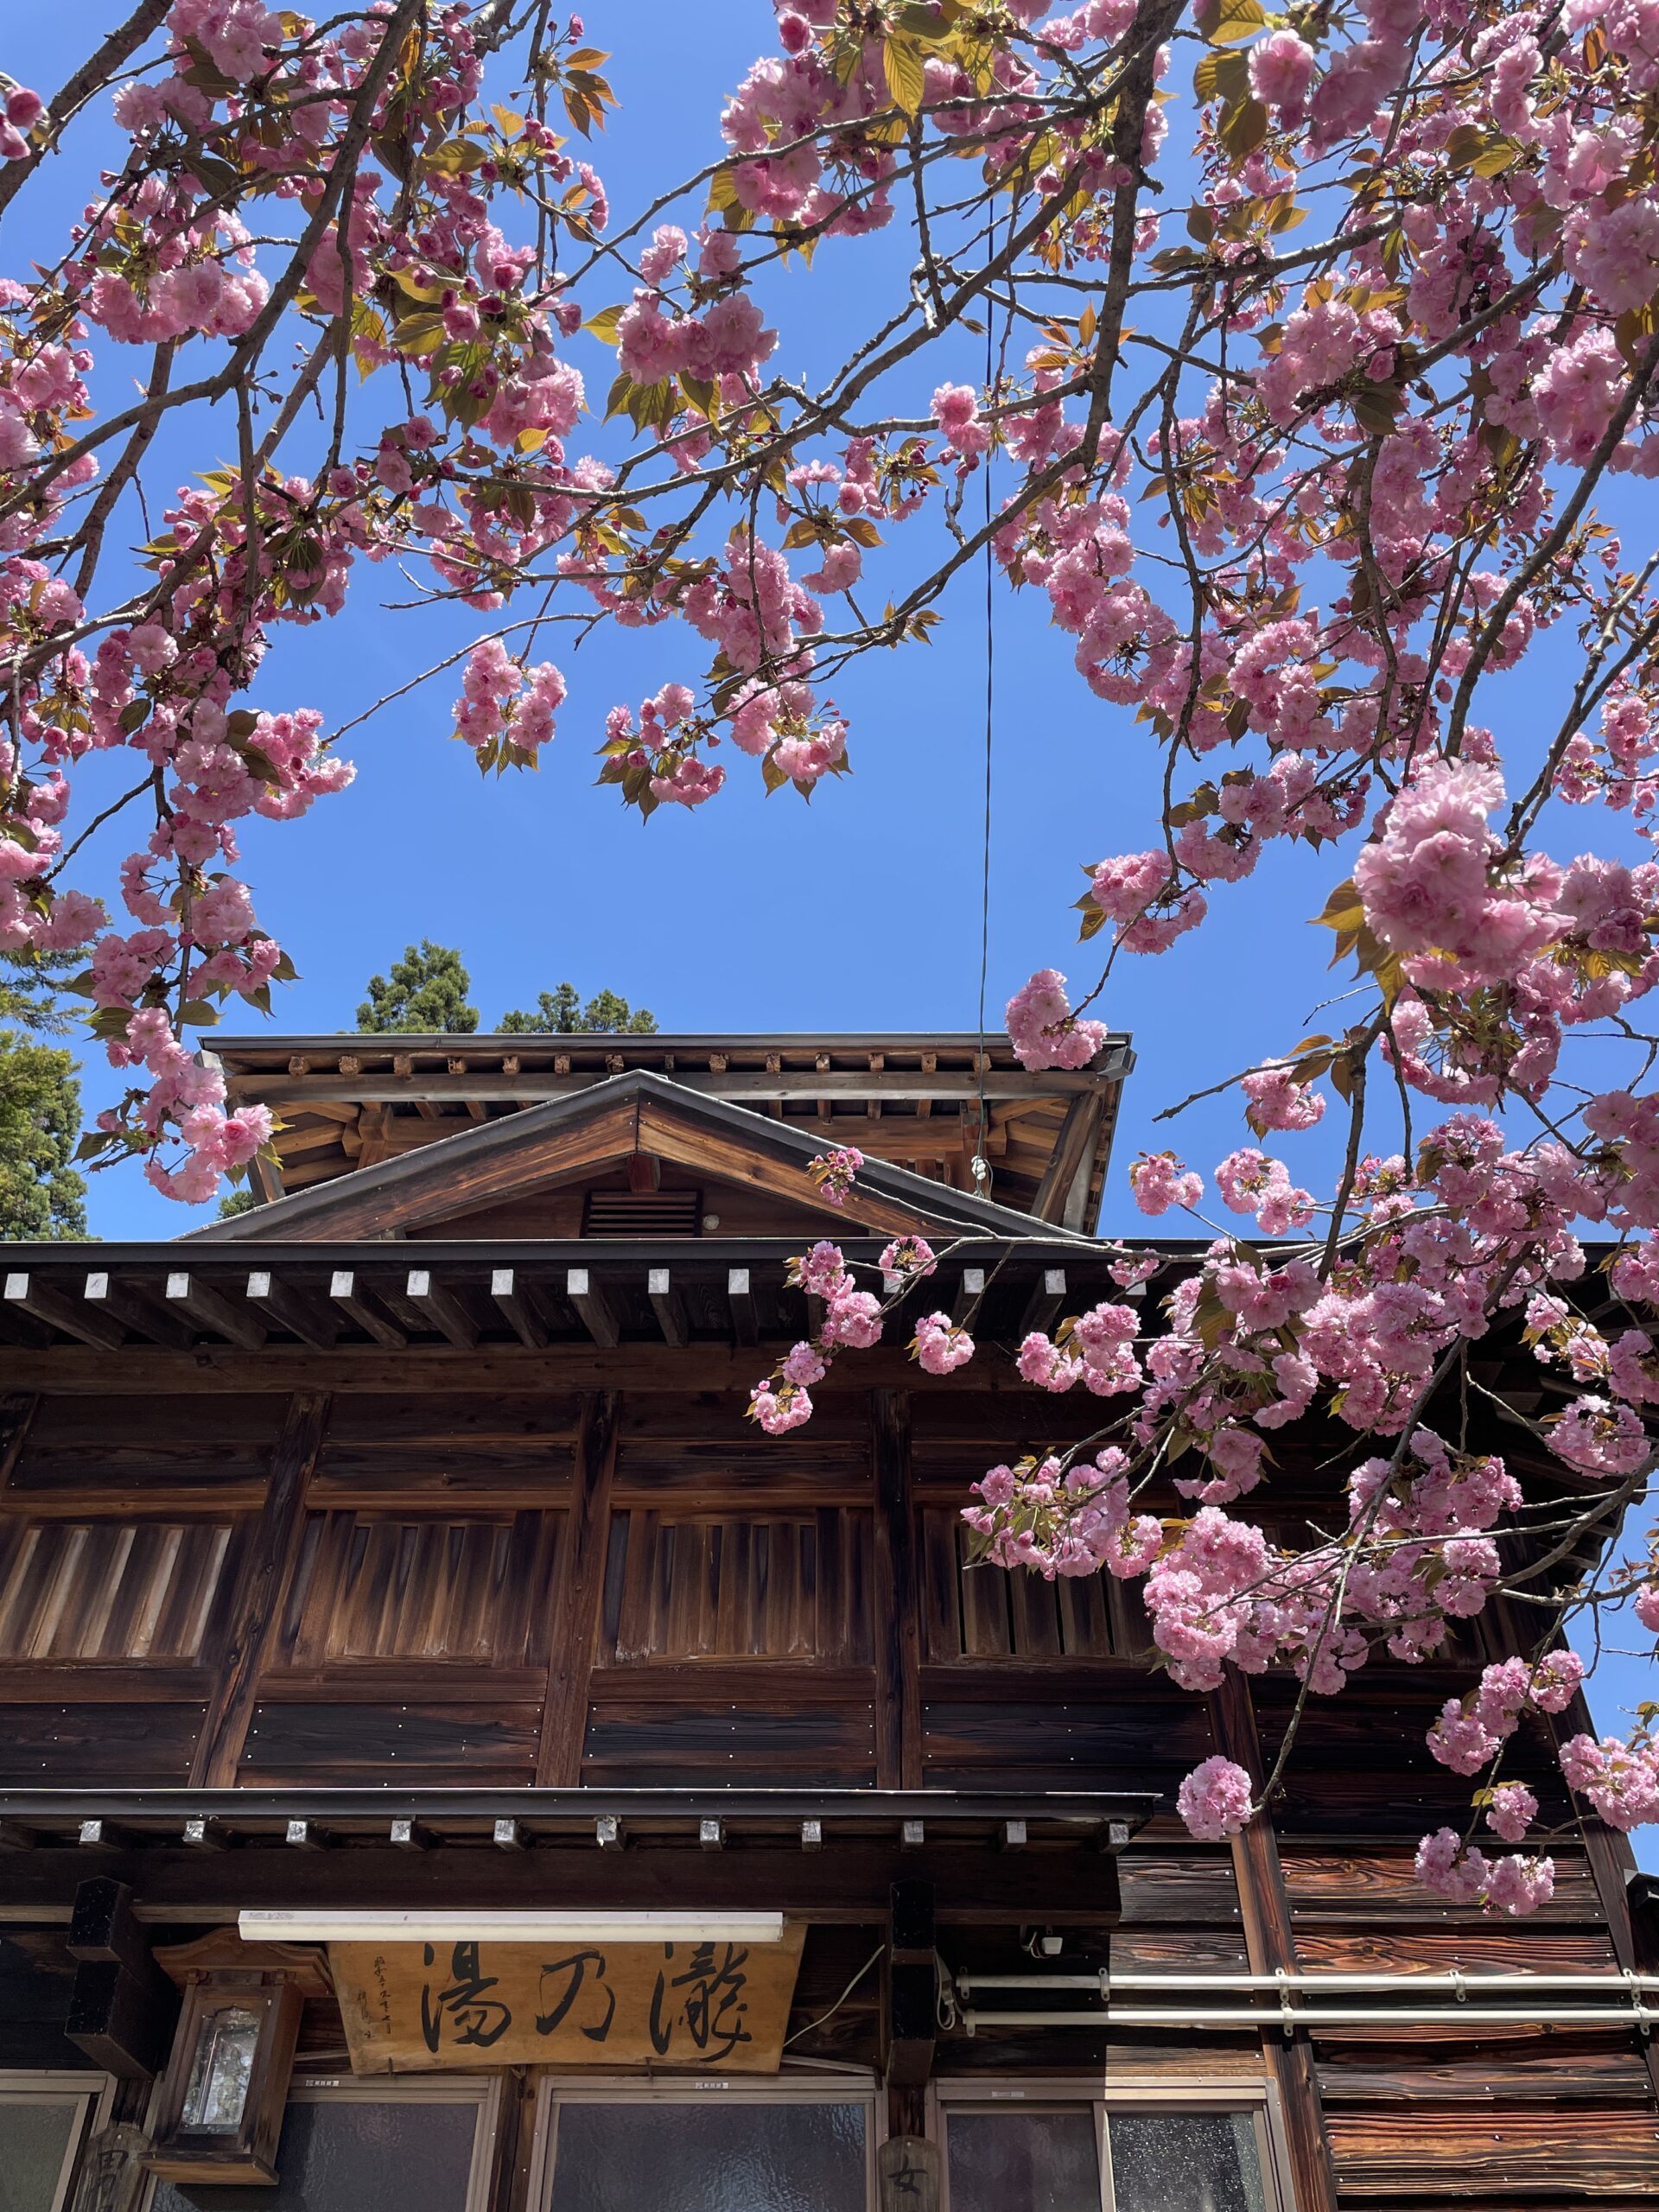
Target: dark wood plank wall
{"points": [[518, 1584]]}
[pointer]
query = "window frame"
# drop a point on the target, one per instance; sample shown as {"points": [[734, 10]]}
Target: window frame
{"points": [[553, 2088], [93, 2092], [482, 2091], [1098, 2095]]}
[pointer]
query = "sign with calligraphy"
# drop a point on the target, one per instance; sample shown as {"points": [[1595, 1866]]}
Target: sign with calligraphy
{"points": [[430, 2008]]}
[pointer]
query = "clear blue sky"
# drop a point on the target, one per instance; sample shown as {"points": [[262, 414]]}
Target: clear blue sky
{"points": [[860, 911]]}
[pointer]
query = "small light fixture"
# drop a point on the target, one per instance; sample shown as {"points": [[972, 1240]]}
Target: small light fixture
{"points": [[907, 2174], [221, 2104]]}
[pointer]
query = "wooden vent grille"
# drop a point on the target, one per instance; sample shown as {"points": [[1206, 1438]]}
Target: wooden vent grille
{"points": [[642, 1213]]}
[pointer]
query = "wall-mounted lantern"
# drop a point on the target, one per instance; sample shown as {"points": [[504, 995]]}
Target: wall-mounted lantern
{"points": [[219, 2108]]}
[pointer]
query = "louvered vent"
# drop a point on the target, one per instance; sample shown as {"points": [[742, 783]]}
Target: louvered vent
{"points": [[644, 1214]]}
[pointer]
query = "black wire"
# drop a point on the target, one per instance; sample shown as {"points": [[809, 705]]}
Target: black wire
{"points": [[984, 1146]]}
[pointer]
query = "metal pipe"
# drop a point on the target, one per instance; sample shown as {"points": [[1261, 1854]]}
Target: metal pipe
{"points": [[1105, 1982], [1346, 2016]]}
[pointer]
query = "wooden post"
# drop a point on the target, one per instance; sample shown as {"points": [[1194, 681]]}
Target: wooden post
{"points": [[271, 1550], [898, 1637], [1270, 1943], [17, 1411], [581, 1582]]}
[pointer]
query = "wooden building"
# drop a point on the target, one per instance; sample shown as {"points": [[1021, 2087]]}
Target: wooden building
{"points": [[450, 1760]]}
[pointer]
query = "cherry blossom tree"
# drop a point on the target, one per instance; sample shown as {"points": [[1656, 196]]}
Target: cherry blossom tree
{"points": [[1318, 345]]}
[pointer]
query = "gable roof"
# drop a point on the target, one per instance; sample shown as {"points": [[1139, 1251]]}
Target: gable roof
{"points": [[596, 1128], [930, 1100]]}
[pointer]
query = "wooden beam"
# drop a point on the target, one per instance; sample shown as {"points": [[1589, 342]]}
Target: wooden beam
{"points": [[593, 1308], [1047, 1296], [519, 1306], [846, 1883], [123, 2009], [897, 1657], [740, 1299], [1270, 1942], [75, 1371], [910, 1995], [16, 1413], [358, 1303], [576, 1609], [139, 1315], [210, 1310], [265, 1177], [291, 1309], [745, 1083], [89, 1325], [667, 1304], [445, 1312], [645, 1172], [269, 1554], [1074, 1145]]}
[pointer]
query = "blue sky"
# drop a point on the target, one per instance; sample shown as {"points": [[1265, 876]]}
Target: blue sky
{"points": [[860, 911]]}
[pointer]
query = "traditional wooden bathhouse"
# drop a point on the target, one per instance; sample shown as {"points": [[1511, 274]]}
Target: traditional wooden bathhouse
{"points": [[449, 1760]]}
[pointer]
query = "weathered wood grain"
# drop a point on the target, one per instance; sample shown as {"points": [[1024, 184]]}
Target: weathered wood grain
{"points": [[347, 1743], [123, 1590], [900, 1751], [575, 1594], [438, 1589], [1581, 2069], [631, 1740], [269, 1551], [87, 1746], [703, 1588], [134, 1442], [1457, 2155], [1372, 1885], [1265, 1906]]}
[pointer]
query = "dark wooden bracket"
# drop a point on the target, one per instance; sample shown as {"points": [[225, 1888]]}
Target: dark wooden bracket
{"points": [[912, 2005], [123, 2009]]}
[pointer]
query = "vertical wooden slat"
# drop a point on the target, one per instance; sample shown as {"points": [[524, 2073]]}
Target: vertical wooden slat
{"points": [[580, 1586], [1270, 1943], [941, 1618], [633, 1624], [163, 1621], [898, 1639], [269, 1558], [1036, 1615], [984, 1605], [732, 1591], [1085, 1629], [829, 1622]]}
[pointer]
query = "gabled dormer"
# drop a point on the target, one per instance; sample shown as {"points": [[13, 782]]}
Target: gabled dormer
{"points": [[351, 1107]]}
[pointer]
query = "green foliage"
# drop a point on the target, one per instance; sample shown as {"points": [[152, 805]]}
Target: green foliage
{"points": [[27, 981], [236, 1202], [561, 1014], [40, 1194], [427, 994]]}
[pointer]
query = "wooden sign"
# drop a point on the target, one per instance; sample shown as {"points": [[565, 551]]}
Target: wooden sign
{"points": [[719, 2007]]}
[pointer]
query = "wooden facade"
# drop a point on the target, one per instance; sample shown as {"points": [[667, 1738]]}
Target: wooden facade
{"points": [[400, 1546]]}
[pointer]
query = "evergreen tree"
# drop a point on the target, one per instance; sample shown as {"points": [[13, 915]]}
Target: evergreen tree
{"points": [[236, 1202], [427, 994], [41, 1193], [561, 1014]]}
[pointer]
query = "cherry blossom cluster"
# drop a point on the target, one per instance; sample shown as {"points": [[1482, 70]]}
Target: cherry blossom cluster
{"points": [[1288, 533], [851, 1319]]}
